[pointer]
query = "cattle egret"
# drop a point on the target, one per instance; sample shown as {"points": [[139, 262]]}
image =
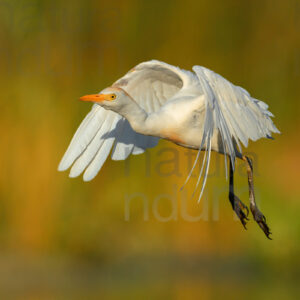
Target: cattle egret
{"points": [[199, 110]]}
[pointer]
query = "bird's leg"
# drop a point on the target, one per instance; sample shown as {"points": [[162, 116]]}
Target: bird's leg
{"points": [[257, 214], [237, 205]]}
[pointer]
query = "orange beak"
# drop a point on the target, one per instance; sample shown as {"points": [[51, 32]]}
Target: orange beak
{"points": [[94, 98]]}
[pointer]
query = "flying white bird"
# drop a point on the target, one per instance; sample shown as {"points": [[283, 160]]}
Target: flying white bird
{"points": [[199, 110]]}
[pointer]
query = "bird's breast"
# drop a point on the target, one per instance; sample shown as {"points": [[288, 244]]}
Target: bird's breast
{"points": [[172, 136]]}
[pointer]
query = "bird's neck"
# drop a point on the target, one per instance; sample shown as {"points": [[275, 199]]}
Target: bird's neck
{"points": [[138, 118]]}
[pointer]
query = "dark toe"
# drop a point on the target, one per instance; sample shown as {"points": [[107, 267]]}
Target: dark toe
{"points": [[243, 206], [241, 215], [261, 221]]}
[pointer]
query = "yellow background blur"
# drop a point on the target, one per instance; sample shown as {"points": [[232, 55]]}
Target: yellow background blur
{"points": [[61, 238]]}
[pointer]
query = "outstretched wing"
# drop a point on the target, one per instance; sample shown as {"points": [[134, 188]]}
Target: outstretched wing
{"points": [[234, 113], [150, 84]]}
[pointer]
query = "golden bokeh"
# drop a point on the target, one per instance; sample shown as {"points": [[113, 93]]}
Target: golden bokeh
{"points": [[130, 233]]}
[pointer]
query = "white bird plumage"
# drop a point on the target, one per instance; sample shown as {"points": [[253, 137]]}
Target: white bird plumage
{"points": [[200, 110], [164, 90]]}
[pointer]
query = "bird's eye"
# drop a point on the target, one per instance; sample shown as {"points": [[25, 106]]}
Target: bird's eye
{"points": [[113, 96]]}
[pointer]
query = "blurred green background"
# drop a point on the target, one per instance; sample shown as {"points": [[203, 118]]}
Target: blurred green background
{"points": [[61, 238]]}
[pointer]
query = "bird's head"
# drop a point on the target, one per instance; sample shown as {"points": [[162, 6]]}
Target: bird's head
{"points": [[111, 98]]}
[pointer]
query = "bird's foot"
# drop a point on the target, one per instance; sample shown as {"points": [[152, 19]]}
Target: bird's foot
{"points": [[239, 207], [261, 220]]}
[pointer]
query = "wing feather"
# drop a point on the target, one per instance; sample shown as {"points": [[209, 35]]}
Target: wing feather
{"points": [[103, 152], [234, 113], [83, 136], [151, 84], [249, 114], [125, 143], [88, 155]]}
